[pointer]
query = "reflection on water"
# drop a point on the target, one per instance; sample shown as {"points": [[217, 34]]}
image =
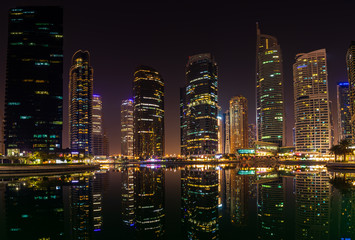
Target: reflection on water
{"points": [[190, 202]]}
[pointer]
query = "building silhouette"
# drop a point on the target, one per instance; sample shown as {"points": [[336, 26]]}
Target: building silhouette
{"points": [[343, 106], [312, 111], [81, 102], [148, 113], [34, 82], [238, 111], [270, 116], [127, 127], [350, 63], [201, 105]]}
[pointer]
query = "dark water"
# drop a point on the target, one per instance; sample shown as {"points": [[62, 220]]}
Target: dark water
{"points": [[189, 202]]}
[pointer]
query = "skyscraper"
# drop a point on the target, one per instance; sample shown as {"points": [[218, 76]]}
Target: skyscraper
{"points": [[201, 105], [34, 82], [238, 109], [148, 113], [312, 112], [350, 63], [80, 102], [127, 127], [183, 125], [251, 135], [227, 140], [98, 144], [269, 90], [344, 117]]}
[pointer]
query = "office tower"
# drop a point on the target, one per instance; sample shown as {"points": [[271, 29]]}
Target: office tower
{"points": [[34, 82], [344, 117], [238, 111], [350, 63], [312, 112], [220, 123], [199, 203], [251, 135], [331, 120], [127, 127], [97, 129], [201, 105], [183, 125], [80, 102], [312, 205], [148, 113], [270, 116], [227, 143]]}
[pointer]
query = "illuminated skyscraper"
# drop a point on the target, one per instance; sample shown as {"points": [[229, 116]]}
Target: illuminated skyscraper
{"points": [[312, 111], [251, 135], [80, 102], [127, 127], [148, 113], [227, 143], [350, 63], [238, 110], [98, 143], [344, 117], [220, 134], [201, 105], [34, 82], [183, 125], [269, 90]]}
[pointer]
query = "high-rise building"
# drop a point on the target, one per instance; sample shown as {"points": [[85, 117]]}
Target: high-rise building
{"points": [[201, 105], [344, 117], [148, 113], [97, 129], [238, 110], [312, 111], [81, 102], [350, 63], [34, 82], [251, 135], [220, 134], [270, 116], [227, 142], [183, 125], [127, 127]]}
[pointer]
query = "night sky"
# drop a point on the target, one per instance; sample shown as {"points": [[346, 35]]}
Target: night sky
{"points": [[121, 35]]}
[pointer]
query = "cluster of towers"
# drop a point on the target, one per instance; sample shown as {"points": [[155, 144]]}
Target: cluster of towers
{"points": [[34, 88]]}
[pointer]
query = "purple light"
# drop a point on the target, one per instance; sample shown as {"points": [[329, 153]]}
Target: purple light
{"points": [[97, 230], [343, 84]]}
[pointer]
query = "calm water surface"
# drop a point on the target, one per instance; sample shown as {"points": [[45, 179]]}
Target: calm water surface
{"points": [[185, 202]]}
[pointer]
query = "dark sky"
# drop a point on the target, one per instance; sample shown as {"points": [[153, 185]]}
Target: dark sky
{"points": [[121, 35]]}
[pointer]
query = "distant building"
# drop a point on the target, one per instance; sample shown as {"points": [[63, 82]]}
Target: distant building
{"points": [[183, 123], [350, 63], [201, 105], [312, 111], [148, 115], [251, 135], [81, 102], [344, 116], [227, 142], [238, 110], [34, 82], [220, 134], [270, 116], [127, 128], [100, 141]]}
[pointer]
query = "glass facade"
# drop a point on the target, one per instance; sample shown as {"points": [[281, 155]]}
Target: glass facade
{"points": [[148, 113], [127, 127], [81, 102], [312, 111], [34, 82], [350, 63], [238, 111], [344, 117], [270, 119], [201, 105]]}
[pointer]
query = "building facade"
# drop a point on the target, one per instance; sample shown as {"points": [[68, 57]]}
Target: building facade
{"points": [[127, 128], [99, 143], [344, 117], [312, 111], [238, 109], [148, 113], [270, 116], [81, 102], [251, 135], [34, 82], [201, 105], [183, 125], [350, 63]]}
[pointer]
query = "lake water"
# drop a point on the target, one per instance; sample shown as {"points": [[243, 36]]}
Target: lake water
{"points": [[184, 202]]}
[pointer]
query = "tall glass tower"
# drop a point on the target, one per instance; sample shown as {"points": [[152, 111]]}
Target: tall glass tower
{"points": [[80, 102], [270, 119], [344, 117], [127, 127], [201, 105], [312, 111], [34, 81], [148, 113], [238, 109], [350, 63]]}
